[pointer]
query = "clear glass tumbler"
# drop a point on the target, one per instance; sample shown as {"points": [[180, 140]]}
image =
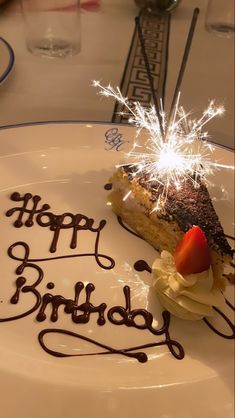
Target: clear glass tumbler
{"points": [[52, 27], [220, 16], [158, 5]]}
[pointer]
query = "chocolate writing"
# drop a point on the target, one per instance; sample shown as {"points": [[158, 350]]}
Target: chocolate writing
{"points": [[24, 210], [81, 311], [55, 223], [72, 306], [142, 265], [110, 263], [140, 356], [80, 307], [21, 285], [78, 222]]}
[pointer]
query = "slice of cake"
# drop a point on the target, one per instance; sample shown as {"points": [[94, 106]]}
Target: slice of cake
{"points": [[134, 198]]}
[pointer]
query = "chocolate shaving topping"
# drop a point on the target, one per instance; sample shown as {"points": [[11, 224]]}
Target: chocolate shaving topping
{"points": [[188, 206]]}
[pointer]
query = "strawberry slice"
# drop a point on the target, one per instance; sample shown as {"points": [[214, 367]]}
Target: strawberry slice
{"points": [[192, 254]]}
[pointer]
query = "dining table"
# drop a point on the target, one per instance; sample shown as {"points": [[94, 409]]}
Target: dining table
{"points": [[40, 89], [61, 140]]}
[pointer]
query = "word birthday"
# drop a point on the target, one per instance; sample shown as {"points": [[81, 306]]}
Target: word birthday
{"points": [[48, 306], [81, 311]]}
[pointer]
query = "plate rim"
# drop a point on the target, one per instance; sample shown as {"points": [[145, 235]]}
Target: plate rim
{"points": [[11, 60], [87, 122], [78, 393]]}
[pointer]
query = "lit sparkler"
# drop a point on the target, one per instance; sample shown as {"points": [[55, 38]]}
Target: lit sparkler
{"points": [[175, 150]]}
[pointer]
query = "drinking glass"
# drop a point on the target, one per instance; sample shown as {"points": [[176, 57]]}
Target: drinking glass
{"points": [[220, 16], [52, 27], [158, 5]]}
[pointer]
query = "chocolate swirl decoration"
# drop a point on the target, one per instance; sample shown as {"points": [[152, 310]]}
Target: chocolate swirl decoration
{"points": [[26, 258], [81, 312], [229, 237], [140, 356], [142, 265], [108, 186], [56, 223], [21, 287], [25, 199], [124, 226], [128, 319], [117, 315], [226, 319]]}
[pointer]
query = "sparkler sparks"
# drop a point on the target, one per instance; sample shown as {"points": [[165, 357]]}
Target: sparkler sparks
{"points": [[174, 151]]}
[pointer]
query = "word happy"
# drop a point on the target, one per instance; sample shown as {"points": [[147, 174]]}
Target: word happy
{"points": [[30, 212], [80, 307]]}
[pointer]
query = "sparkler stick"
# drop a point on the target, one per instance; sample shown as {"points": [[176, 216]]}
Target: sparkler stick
{"points": [[183, 64], [150, 78], [176, 149]]}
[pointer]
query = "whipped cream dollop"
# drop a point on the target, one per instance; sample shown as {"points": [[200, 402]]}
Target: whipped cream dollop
{"points": [[189, 297]]}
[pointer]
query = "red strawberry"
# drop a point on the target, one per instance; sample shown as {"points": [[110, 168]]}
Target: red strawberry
{"points": [[192, 254]]}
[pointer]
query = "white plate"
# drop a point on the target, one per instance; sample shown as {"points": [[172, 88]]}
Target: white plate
{"points": [[6, 59], [68, 164]]}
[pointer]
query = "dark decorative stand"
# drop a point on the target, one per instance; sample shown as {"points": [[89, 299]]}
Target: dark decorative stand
{"points": [[135, 82]]}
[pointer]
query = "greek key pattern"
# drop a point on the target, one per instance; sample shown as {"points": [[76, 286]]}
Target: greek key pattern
{"points": [[135, 83]]}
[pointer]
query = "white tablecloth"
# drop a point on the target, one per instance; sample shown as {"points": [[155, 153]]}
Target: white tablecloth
{"points": [[42, 89]]}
